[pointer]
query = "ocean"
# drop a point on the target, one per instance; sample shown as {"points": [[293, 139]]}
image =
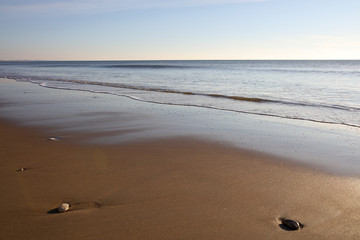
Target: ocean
{"points": [[315, 91]]}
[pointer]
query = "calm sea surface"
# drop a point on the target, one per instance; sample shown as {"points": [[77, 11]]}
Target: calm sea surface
{"points": [[317, 91]]}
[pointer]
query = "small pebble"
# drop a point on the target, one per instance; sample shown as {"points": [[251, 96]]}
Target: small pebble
{"points": [[20, 169], [64, 207], [291, 224]]}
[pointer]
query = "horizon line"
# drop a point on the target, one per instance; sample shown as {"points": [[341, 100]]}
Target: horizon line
{"points": [[108, 60]]}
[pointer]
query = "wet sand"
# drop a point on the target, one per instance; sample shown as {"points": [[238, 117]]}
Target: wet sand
{"points": [[177, 188], [100, 118]]}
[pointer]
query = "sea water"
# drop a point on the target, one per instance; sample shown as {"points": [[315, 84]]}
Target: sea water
{"points": [[306, 110], [319, 91]]}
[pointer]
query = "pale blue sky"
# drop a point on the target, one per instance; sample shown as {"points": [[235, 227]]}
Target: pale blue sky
{"points": [[175, 29]]}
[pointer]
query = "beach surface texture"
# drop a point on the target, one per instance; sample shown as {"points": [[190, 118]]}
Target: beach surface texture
{"points": [[168, 189], [100, 160]]}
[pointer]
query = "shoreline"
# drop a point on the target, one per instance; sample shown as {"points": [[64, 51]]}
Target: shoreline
{"points": [[165, 189], [95, 118]]}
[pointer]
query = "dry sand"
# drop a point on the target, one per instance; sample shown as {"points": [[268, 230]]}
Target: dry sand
{"points": [[165, 189]]}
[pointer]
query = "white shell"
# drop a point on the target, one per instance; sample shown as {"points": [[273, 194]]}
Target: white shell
{"points": [[64, 207], [53, 138]]}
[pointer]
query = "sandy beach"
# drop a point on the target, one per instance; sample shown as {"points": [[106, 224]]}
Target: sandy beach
{"points": [[179, 120], [168, 189]]}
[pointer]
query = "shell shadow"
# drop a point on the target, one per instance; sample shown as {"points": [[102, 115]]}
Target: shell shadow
{"points": [[21, 169], [78, 206], [53, 211]]}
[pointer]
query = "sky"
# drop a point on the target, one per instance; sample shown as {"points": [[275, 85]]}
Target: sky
{"points": [[179, 29]]}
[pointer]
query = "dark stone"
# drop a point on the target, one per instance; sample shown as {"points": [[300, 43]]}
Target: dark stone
{"points": [[291, 224]]}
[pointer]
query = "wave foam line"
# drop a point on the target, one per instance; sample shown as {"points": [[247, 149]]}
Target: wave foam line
{"points": [[236, 98], [209, 107], [161, 90], [148, 66]]}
